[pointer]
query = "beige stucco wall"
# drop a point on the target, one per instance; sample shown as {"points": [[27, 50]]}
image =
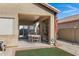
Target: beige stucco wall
{"points": [[69, 31], [32, 9], [12, 10]]}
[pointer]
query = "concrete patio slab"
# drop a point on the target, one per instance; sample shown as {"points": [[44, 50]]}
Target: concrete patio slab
{"points": [[72, 48]]}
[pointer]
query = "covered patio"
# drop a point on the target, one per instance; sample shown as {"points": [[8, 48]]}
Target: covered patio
{"points": [[33, 28]]}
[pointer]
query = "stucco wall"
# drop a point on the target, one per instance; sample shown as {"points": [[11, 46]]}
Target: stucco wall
{"points": [[10, 10], [32, 9]]}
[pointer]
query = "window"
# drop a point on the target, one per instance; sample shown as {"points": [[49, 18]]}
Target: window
{"points": [[6, 26]]}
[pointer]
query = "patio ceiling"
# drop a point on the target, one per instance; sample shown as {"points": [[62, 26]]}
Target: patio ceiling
{"points": [[30, 19]]}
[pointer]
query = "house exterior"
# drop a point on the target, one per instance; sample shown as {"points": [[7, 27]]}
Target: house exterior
{"points": [[28, 12], [69, 28]]}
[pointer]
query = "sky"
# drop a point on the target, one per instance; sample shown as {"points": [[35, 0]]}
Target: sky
{"points": [[66, 9]]}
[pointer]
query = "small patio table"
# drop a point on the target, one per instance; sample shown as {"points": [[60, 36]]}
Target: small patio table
{"points": [[33, 38]]}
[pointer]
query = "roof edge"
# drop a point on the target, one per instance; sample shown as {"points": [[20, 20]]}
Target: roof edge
{"points": [[69, 19], [50, 7]]}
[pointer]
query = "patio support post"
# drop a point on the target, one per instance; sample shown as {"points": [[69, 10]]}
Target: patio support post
{"points": [[23, 30], [51, 31], [40, 28]]}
